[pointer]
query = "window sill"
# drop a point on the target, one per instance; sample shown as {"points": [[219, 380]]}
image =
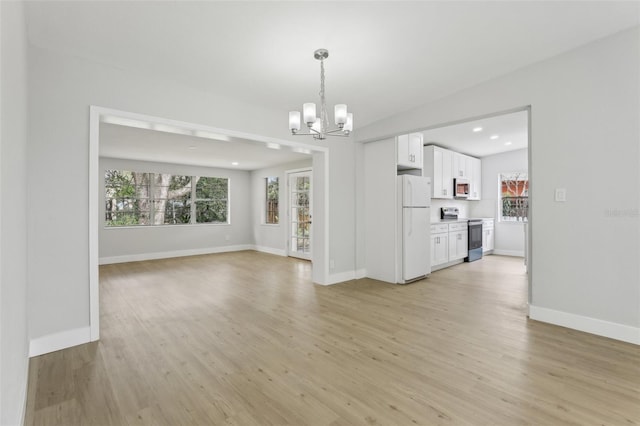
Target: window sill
{"points": [[182, 225]]}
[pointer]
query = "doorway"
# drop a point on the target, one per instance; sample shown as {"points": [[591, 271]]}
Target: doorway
{"points": [[300, 213]]}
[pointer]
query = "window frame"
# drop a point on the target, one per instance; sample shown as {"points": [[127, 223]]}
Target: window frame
{"points": [[517, 176], [265, 202], [152, 201]]}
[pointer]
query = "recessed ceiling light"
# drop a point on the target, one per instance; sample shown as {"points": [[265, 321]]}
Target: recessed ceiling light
{"points": [[508, 143], [193, 147], [494, 137], [235, 163], [477, 129], [272, 145]]}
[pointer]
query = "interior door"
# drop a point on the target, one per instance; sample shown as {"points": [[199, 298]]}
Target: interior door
{"points": [[300, 214]]}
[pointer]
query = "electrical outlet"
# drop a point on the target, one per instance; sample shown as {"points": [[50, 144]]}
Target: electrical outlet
{"points": [[561, 195], [332, 264], [227, 237]]}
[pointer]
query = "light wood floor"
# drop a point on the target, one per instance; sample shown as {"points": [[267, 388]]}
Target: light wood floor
{"points": [[245, 338]]}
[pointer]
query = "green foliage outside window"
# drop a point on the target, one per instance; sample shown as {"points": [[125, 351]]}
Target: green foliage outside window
{"points": [[135, 198]]}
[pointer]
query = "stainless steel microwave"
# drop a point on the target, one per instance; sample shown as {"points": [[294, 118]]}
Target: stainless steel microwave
{"points": [[461, 188]]}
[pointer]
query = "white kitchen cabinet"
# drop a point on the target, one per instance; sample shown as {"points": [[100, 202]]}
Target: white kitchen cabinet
{"points": [[488, 239], [438, 165], [476, 179], [458, 241], [439, 244], [461, 166], [409, 151]]}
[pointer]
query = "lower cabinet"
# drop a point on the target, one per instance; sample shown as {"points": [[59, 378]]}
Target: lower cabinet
{"points": [[449, 242], [488, 240], [439, 244], [458, 241]]}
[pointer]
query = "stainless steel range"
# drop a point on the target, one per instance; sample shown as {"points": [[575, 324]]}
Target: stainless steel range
{"points": [[474, 250]]}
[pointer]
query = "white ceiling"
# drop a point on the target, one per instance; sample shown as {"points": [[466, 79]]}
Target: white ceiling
{"points": [[511, 131], [385, 57], [118, 141]]}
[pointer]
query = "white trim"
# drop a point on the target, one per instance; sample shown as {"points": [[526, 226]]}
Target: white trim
{"points": [[360, 273], [57, 341], [340, 277], [612, 330], [175, 253], [277, 252], [515, 253], [95, 113], [287, 177], [94, 222]]}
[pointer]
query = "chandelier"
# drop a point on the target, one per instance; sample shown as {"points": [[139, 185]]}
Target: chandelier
{"points": [[319, 126]]}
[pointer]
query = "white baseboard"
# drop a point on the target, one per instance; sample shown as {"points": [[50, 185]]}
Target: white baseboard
{"points": [[263, 249], [55, 342], [360, 273], [341, 277], [169, 254], [515, 253], [613, 330]]}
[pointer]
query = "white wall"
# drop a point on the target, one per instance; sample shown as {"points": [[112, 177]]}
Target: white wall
{"points": [[153, 242], [584, 137], [271, 238], [13, 224], [509, 236]]}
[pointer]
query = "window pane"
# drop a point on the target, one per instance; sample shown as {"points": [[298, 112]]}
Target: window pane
{"points": [[272, 212], [126, 198], [172, 199], [212, 196], [514, 196]]}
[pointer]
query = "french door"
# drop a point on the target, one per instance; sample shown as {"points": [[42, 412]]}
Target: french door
{"points": [[300, 214]]}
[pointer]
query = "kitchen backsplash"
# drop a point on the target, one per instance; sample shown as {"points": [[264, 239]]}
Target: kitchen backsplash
{"points": [[483, 208]]}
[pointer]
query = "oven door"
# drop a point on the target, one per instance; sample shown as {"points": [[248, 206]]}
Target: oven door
{"points": [[475, 235]]}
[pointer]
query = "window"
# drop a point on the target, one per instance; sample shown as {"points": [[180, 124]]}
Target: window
{"points": [[272, 194], [514, 197], [137, 198], [212, 200]]}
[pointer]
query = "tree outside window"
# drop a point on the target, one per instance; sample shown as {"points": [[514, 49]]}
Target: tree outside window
{"points": [[514, 197], [272, 194], [138, 198]]}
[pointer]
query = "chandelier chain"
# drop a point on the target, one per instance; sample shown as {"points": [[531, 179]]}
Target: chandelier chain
{"points": [[324, 120]]}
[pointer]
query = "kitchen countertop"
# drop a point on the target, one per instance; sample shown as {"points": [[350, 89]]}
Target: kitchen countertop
{"points": [[458, 220]]}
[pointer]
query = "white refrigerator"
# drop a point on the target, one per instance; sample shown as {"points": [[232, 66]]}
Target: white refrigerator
{"points": [[414, 228]]}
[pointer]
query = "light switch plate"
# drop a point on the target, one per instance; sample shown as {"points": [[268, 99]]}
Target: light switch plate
{"points": [[561, 195]]}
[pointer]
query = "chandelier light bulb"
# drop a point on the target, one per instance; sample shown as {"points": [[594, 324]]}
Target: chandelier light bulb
{"points": [[348, 125], [309, 113], [294, 121], [340, 112]]}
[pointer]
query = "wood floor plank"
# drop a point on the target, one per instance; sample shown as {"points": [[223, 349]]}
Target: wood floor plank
{"points": [[246, 339]]}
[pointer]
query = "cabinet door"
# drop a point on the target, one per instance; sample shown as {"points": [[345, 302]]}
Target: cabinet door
{"points": [[403, 151], [458, 247], [490, 239], [443, 159], [461, 166], [476, 178], [415, 150], [439, 249]]}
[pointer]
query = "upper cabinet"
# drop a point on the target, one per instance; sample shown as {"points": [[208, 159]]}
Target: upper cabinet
{"points": [[409, 151], [476, 179], [437, 166], [461, 166], [443, 166]]}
